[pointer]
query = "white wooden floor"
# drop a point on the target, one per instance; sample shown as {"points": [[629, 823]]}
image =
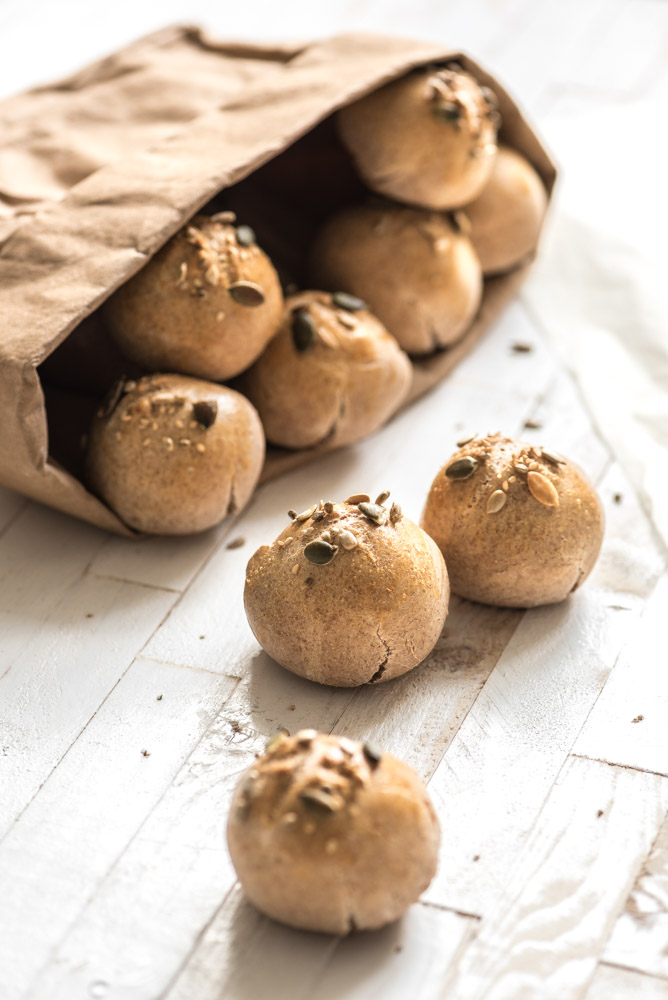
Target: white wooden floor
{"points": [[132, 693]]}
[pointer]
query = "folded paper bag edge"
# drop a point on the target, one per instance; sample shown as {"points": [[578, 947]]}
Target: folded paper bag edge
{"points": [[55, 310]]}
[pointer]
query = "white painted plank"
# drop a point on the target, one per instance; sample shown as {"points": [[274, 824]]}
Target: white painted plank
{"points": [[158, 562], [42, 554], [178, 862], [610, 983], [544, 937], [416, 716], [629, 721], [53, 858], [59, 681], [409, 957], [640, 937], [501, 764], [396, 458]]}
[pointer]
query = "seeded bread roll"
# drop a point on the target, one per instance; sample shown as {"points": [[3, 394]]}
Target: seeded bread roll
{"points": [[328, 835], [173, 455], [332, 373], [518, 525], [349, 593], [428, 139], [507, 216], [206, 304], [417, 271]]}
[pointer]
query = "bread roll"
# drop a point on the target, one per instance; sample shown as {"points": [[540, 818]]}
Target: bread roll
{"points": [[506, 218], [428, 139], [205, 305], [332, 373], [417, 271], [173, 455], [349, 593], [518, 525], [330, 835]]}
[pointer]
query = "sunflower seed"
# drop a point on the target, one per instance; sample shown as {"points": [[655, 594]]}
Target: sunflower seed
{"points": [[521, 468], [554, 457], [303, 330], [318, 515], [246, 293], [462, 468], [319, 552], [246, 236], [382, 497], [205, 412], [373, 511], [305, 514], [347, 540], [542, 489], [466, 440], [496, 501], [344, 300], [358, 498], [396, 513], [292, 514]]}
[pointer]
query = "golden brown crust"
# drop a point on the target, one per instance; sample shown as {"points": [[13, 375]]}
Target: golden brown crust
{"points": [[174, 455], [329, 835], [371, 611], [507, 216], [417, 271], [205, 305], [330, 374], [428, 139], [518, 525]]}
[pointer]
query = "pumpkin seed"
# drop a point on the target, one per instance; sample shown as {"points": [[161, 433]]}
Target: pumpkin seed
{"points": [[448, 110], [462, 468], [318, 798], [372, 754], [542, 489], [344, 300], [246, 293], [246, 236], [373, 511], [205, 412], [303, 330], [320, 552]]}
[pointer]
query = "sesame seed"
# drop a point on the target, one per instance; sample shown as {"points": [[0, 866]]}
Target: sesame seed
{"points": [[295, 568], [118, 435], [200, 447], [146, 442], [184, 441], [170, 444]]}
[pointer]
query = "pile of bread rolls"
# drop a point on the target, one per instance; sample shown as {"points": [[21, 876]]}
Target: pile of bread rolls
{"points": [[399, 274]]}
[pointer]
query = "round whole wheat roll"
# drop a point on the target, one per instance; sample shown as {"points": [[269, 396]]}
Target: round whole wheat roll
{"points": [[506, 218], [417, 270], [331, 374], [428, 139], [349, 593], [173, 455], [518, 525], [205, 305], [327, 834]]}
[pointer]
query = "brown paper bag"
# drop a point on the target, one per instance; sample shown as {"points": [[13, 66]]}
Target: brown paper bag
{"points": [[97, 171]]}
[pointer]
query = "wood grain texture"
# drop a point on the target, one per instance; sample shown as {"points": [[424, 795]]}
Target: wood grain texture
{"points": [[610, 983], [639, 938], [115, 882], [546, 933]]}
